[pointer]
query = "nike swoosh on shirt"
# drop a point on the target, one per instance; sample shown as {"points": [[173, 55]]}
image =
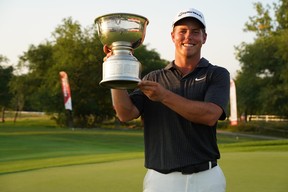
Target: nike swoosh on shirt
{"points": [[200, 79]]}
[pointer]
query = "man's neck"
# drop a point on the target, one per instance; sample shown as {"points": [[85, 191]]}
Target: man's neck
{"points": [[186, 65]]}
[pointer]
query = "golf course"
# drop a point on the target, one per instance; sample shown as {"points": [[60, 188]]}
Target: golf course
{"points": [[38, 156]]}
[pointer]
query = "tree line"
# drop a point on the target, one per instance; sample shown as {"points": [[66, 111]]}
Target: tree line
{"points": [[262, 81], [79, 52]]}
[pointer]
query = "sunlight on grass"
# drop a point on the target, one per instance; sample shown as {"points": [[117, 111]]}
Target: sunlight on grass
{"points": [[32, 164]]}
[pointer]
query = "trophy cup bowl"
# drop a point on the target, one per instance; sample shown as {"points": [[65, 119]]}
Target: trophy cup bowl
{"points": [[121, 32]]}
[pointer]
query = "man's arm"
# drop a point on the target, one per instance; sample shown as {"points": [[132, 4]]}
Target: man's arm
{"points": [[206, 113], [123, 105], [195, 111]]}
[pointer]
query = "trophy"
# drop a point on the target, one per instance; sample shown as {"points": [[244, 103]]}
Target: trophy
{"points": [[121, 32]]}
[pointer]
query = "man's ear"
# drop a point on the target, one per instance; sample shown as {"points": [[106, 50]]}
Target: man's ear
{"points": [[204, 37], [172, 36]]}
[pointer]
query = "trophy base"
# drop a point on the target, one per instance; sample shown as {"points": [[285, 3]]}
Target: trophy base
{"points": [[121, 71], [120, 84]]}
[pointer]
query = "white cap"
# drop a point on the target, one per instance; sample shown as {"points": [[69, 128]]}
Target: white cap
{"points": [[190, 13]]}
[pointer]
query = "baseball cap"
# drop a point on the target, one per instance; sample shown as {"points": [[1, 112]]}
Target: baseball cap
{"points": [[194, 13]]}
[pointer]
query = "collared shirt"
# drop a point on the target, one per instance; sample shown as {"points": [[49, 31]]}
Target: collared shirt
{"points": [[171, 141]]}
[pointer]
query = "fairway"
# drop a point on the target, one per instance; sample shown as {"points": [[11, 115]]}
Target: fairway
{"points": [[38, 158]]}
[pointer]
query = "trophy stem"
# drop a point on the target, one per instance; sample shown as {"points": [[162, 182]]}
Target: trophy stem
{"points": [[121, 47]]}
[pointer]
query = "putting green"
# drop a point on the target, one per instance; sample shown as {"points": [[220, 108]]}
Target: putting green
{"points": [[255, 171], [244, 171], [123, 176]]}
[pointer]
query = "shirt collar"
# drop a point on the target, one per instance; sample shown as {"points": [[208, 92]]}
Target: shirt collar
{"points": [[202, 63]]}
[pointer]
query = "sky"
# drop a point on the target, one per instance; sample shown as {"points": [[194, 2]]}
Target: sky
{"points": [[31, 22]]}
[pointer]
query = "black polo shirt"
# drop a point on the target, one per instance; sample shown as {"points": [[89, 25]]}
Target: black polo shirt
{"points": [[171, 141]]}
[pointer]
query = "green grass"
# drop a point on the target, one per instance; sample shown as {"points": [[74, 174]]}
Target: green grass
{"points": [[36, 155], [126, 176], [33, 148], [264, 171]]}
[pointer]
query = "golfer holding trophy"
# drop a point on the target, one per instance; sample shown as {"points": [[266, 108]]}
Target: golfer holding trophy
{"points": [[121, 32], [180, 104]]}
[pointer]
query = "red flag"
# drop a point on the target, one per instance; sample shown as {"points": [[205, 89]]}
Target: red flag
{"points": [[66, 90]]}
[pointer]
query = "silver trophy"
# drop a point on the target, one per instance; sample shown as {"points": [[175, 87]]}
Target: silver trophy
{"points": [[121, 32]]}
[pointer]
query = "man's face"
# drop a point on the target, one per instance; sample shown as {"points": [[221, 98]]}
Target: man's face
{"points": [[188, 36]]}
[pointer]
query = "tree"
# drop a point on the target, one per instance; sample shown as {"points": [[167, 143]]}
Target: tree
{"points": [[262, 82], [150, 59], [38, 60], [18, 87], [261, 24], [6, 73], [281, 14]]}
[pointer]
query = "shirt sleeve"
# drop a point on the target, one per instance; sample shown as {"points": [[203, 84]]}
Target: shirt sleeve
{"points": [[137, 98], [219, 89]]}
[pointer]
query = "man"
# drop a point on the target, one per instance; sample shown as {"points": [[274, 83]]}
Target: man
{"points": [[180, 106]]}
